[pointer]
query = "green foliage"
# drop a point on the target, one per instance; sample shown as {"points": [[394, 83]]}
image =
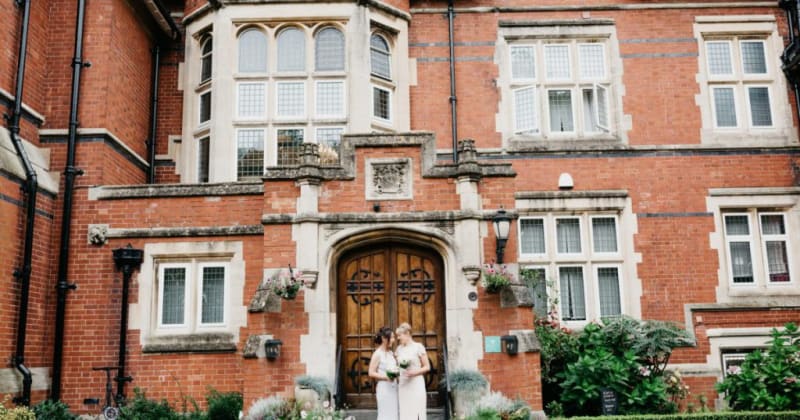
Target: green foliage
{"points": [[625, 355], [270, 408], [467, 381], [53, 410], [321, 385], [495, 406], [16, 413], [723, 415], [769, 380], [224, 405], [141, 408]]}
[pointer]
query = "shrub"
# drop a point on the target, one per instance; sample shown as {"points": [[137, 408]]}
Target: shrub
{"points": [[224, 405], [53, 410], [274, 407], [723, 415], [141, 408], [768, 380], [16, 413], [467, 381], [625, 355], [321, 385], [495, 406]]}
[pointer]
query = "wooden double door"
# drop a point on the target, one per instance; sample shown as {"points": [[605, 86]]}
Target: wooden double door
{"points": [[387, 285]]}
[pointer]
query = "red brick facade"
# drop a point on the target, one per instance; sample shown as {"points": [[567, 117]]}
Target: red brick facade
{"points": [[658, 157]]}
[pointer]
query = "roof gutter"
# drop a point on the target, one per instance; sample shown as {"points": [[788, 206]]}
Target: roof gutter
{"points": [[163, 18]]}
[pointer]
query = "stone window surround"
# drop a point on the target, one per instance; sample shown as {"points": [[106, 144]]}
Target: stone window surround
{"points": [[770, 199], [356, 21], [587, 204], [518, 32], [144, 314], [762, 26]]}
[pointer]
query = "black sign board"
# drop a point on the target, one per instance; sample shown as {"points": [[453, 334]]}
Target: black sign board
{"points": [[608, 399]]}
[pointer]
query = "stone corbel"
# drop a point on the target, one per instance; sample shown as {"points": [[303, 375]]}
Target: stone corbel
{"points": [[472, 273], [264, 301], [309, 279]]}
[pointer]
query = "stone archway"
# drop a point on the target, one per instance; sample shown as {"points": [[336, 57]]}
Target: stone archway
{"points": [[387, 283]]}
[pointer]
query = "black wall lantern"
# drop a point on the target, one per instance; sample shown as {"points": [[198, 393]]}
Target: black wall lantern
{"points": [[272, 348], [502, 226], [510, 344]]}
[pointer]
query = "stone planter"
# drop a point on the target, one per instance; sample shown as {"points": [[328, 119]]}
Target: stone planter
{"points": [[307, 397], [464, 402]]}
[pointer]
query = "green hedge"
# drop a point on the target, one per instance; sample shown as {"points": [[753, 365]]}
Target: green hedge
{"points": [[721, 415]]}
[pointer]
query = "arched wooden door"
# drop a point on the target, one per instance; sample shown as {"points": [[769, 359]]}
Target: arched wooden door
{"points": [[388, 285]]}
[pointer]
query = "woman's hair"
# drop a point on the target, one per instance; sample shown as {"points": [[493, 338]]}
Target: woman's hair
{"points": [[384, 332], [403, 328]]}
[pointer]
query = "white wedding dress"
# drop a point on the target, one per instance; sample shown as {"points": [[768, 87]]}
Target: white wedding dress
{"points": [[386, 391], [411, 391]]}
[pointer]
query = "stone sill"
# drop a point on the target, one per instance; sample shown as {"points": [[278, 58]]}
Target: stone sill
{"points": [[191, 343]]}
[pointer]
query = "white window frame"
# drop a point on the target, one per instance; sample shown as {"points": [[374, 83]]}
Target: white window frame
{"points": [[764, 238], [766, 59], [266, 100], [200, 122], [264, 145], [389, 101], [186, 266], [749, 104], [732, 56], [343, 115], [569, 255], [740, 238], [588, 260], [588, 310], [542, 85], [199, 296], [544, 233], [616, 233], [736, 107], [737, 30], [278, 115], [620, 282]]}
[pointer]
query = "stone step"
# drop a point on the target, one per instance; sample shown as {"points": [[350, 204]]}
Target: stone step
{"points": [[433, 414]]}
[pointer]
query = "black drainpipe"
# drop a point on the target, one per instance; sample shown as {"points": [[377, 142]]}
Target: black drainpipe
{"points": [[30, 188], [151, 141], [792, 8], [127, 260], [453, 99], [70, 171]]}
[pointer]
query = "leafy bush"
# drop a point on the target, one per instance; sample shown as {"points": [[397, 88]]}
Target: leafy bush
{"points": [[723, 415], [274, 407], [224, 405], [321, 385], [53, 410], [625, 355], [768, 380], [496, 406], [141, 408], [17, 413], [467, 381]]}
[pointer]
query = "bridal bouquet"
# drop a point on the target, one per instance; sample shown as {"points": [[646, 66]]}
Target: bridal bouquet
{"points": [[392, 373], [404, 363]]}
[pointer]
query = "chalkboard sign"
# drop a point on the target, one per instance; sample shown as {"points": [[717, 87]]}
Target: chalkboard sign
{"points": [[609, 401]]}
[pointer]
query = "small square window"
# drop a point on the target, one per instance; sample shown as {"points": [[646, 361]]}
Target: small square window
{"points": [[251, 101], [568, 235], [560, 106], [330, 99], [591, 60], [291, 99], [754, 60], [381, 104], [205, 107], [725, 107], [532, 236], [250, 153], [604, 234], [719, 58], [556, 58], [523, 64], [289, 142], [573, 296], [760, 110]]}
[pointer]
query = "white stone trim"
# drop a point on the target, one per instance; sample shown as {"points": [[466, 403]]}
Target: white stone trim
{"points": [[143, 315], [782, 132], [750, 200]]}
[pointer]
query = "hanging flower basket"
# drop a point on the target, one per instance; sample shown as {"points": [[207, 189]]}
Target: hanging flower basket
{"points": [[285, 283], [495, 278]]}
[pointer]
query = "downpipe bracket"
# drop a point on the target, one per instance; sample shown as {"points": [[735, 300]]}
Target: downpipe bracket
{"points": [[67, 286]]}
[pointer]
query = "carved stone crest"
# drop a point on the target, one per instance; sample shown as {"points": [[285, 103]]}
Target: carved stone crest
{"points": [[97, 235], [388, 179]]}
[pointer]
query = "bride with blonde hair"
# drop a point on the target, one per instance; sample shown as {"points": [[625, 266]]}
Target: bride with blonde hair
{"points": [[413, 361]]}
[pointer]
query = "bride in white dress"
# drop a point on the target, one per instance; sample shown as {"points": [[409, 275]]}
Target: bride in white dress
{"points": [[411, 389], [381, 367]]}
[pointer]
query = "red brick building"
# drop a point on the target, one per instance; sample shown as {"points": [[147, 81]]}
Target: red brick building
{"points": [[646, 152]]}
